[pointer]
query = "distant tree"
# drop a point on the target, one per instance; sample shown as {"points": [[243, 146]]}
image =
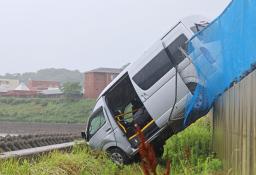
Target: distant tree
{"points": [[72, 89], [51, 74]]}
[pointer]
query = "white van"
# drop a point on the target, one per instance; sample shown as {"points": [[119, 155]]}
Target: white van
{"points": [[151, 92]]}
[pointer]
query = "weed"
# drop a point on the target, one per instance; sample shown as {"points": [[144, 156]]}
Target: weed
{"points": [[190, 150]]}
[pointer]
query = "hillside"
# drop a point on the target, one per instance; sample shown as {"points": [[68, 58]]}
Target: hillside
{"points": [[60, 75]]}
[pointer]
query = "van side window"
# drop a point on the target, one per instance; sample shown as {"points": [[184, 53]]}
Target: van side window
{"points": [[153, 71], [96, 122], [180, 41]]}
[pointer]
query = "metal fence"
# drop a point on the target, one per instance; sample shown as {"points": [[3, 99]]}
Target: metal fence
{"points": [[234, 127]]}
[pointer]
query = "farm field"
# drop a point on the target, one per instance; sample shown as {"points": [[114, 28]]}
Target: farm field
{"points": [[45, 110], [23, 128], [22, 135]]}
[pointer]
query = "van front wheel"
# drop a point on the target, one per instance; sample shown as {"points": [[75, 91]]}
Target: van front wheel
{"points": [[118, 156]]}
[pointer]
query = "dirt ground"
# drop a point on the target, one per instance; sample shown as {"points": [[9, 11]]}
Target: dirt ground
{"points": [[21, 128]]}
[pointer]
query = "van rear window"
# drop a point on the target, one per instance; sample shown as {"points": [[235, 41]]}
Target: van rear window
{"points": [[153, 71], [180, 41]]}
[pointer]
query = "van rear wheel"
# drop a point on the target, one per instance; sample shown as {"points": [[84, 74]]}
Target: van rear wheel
{"points": [[118, 156]]}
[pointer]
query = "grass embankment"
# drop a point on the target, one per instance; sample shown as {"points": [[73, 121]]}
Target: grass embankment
{"points": [[80, 161], [45, 110], [189, 152]]}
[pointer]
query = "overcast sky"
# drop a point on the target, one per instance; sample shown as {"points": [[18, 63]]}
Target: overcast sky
{"points": [[85, 34]]}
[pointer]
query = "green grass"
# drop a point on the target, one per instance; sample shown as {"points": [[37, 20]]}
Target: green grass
{"points": [[190, 150], [45, 110], [84, 161], [80, 161]]}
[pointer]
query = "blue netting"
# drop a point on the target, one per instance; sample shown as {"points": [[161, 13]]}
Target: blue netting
{"points": [[222, 53]]}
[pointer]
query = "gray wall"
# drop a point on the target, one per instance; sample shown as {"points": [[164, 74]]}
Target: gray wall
{"points": [[234, 127]]}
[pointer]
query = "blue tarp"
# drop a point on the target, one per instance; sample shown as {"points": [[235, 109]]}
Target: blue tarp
{"points": [[223, 52]]}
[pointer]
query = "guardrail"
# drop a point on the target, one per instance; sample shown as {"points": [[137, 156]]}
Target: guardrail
{"points": [[38, 150]]}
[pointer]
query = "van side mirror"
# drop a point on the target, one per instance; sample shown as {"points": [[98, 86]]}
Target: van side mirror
{"points": [[84, 136]]}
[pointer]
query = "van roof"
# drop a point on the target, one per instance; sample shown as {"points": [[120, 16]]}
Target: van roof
{"points": [[187, 21]]}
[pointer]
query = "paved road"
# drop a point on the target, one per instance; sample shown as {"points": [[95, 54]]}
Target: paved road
{"points": [[39, 128]]}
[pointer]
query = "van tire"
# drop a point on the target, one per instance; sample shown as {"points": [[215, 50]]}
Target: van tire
{"points": [[118, 156], [159, 150], [158, 146]]}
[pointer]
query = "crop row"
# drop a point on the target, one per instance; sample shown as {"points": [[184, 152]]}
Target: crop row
{"points": [[13, 143]]}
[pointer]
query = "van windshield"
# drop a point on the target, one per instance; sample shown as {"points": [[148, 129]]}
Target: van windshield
{"points": [[96, 121]]}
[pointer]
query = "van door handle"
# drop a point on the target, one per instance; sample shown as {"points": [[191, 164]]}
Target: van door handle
{"points": [[107, 130], [145, 95], [142, 96]]}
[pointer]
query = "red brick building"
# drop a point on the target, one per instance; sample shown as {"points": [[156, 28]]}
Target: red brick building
{"points": [[35, 85], [96, 80]]}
